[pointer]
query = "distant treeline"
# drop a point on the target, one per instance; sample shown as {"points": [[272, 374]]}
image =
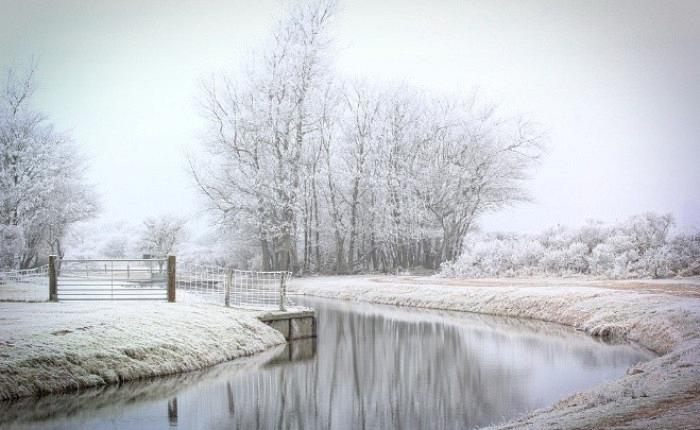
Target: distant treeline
{"points": [[639, 247]]}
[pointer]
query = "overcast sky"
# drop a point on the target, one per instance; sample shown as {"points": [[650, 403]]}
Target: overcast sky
{"points": [[616, 85]]}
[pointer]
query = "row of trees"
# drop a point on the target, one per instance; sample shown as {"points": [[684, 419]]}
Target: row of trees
{"points": [[157, 236], [42, 186], [639, 247], [318, 174]]}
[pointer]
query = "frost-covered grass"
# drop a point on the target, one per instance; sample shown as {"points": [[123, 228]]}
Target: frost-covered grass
{"points": [[661, 393], [58, 347], [29, 290], [116, 398]]}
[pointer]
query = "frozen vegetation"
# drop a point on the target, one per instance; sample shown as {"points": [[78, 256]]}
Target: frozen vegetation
{"points": [[43, 190], [154, 236], [661, 393], [640, 247], [309, 171], [58, 347], [304, 169], [29, 290]]}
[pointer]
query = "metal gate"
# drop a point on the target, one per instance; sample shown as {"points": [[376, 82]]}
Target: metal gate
{"points": [[110, 279]]}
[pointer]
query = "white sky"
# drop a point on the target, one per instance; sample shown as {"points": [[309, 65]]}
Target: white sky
{"points": [[615, 84]]}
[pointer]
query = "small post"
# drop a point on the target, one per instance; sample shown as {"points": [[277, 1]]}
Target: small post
{"points": [[53, 284], [227, 288], [171, 278], [283, 292]]}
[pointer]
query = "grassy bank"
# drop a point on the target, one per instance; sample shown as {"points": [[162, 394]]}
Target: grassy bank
{"points": [[58, 347]]}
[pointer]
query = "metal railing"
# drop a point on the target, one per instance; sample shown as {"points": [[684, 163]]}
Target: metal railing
{"points": [[110, 279], [24, 275], [235, 288]]}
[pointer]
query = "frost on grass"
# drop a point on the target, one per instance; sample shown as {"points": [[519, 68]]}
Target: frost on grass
{"points": [[116, 398], [31, 290], [661, 393], [58, 347]]}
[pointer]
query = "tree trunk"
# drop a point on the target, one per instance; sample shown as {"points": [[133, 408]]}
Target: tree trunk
{"points": [[353, 224], [266, 261], [317, 239]]}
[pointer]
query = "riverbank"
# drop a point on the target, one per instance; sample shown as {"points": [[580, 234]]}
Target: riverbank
{"points": [[59, 347], [660, 315]]}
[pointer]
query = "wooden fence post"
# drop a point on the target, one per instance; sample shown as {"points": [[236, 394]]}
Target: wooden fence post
{"points": [[171, 278], [53, 284], [227, 288], [283, 292]]}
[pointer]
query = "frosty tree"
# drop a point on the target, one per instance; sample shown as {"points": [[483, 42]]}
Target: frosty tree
{"points": [[260, 135], [359, 176], [160, 235], [42, 185]]}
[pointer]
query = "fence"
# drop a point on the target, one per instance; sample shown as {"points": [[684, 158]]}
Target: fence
{"points": [[156, 279], [110, 279], [24, 275], [236, 288]]}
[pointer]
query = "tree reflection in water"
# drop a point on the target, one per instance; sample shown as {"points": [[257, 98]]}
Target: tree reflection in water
{"points": [[372, 367]]}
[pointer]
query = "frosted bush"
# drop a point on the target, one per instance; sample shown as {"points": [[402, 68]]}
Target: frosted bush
{"points": [[638, 247], [602, 259]]}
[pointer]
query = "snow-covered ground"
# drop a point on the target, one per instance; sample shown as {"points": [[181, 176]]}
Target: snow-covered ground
{"points": [[30, 290], [660, 315], [55, 347]]}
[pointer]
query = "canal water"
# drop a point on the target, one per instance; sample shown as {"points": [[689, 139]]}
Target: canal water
{"points": [[371, 367]]}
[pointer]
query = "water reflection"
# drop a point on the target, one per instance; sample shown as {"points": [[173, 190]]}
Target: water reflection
{"points": [[372, 367]]}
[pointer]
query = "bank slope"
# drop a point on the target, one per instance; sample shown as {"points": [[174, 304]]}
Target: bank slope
{"points": [[58, 347]]}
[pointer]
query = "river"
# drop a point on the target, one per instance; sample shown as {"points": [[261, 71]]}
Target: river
{"points": [[371, 367]]}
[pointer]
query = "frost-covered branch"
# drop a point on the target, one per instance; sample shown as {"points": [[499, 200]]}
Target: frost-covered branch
{"points": [[42, 179]]}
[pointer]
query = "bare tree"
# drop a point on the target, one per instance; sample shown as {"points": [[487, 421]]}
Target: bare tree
{"points": [[161, 235], [360, 177], [363, 108], [259, 135], [42, 183], [472, 163], [115, 247]]}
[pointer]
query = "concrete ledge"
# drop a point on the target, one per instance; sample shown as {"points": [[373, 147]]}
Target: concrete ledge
{"points": [[293, 324]]}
